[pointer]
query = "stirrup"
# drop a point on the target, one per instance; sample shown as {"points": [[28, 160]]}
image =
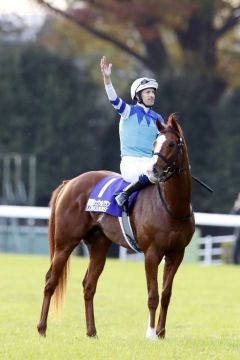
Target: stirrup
{"points": [[121, 199]]}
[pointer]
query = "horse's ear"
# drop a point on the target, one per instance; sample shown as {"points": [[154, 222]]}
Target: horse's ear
{"points": [[159, 125], [172, 121]]}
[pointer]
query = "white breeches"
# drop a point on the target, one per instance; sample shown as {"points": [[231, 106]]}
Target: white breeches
{"points": [[132, 167]]}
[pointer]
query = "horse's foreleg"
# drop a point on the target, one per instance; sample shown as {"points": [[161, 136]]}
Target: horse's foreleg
{"points": [[98, 252], [52, 277], [151, 267], [170, 268]]}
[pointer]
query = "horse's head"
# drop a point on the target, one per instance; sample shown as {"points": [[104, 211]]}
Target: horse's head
{"points": [[167, 151]]}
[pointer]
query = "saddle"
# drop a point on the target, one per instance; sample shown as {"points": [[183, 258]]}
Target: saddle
{"points": [[102, 199]]}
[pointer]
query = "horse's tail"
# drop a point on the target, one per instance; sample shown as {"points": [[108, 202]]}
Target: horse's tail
{"points": [[60, 289]]}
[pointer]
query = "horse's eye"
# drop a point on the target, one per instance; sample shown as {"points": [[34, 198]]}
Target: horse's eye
{"points": [[171, 144]]}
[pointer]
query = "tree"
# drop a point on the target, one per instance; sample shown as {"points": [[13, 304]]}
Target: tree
{"points": [[46, 107], [197, 25], [226, 165]]}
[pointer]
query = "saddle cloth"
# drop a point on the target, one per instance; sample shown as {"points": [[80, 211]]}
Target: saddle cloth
{"points": [[102, 197]]}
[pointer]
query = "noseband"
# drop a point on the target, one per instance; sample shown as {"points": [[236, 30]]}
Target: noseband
{"points": [[171, 167]]}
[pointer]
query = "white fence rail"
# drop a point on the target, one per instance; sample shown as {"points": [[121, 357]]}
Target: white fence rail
{"points": [[24, 212], [224, 220], [210, 248], [35, 212]]}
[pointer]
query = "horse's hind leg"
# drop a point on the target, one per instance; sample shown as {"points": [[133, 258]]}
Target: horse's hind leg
{"points": [[98, 246], [52, 278], [170, 268]]}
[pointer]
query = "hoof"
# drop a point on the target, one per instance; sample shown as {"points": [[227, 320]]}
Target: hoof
{"points": [[92, 336], [161, 335], [151, 334], [41, 331]]}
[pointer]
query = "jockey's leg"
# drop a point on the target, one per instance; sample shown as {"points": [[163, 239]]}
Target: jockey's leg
{"points": [[122, 197]]}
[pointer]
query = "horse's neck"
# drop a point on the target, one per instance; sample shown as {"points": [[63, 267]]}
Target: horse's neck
{"points": [[177, 191]]}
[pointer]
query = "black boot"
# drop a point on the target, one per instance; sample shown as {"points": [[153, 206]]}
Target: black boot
{"points": [[122, 198]]}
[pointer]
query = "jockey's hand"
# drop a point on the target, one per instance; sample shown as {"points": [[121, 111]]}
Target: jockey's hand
{"points": [[106, 68]]}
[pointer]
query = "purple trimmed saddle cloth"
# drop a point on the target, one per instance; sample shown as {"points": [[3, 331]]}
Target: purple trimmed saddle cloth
{"points": [[102, 197]]}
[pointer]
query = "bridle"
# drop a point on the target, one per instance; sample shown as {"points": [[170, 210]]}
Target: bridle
{"points": [[171, 167], [170, 170]]}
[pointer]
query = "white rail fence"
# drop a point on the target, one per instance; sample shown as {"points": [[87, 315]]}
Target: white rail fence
{"points": [[213, 249], [210, 248]]}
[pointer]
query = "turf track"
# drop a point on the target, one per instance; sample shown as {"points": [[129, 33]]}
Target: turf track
{"points": [[203, 320]]}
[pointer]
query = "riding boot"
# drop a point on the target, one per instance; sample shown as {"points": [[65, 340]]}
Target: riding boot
{"points": [[122, 197]]}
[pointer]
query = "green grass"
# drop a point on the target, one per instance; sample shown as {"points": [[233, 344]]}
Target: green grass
{"points": [[203, 320]]}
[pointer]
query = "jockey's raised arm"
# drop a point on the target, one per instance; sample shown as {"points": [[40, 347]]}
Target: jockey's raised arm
{"points": [[119, 104]]}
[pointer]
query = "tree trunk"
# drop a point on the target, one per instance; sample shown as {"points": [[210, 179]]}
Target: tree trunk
{"points": [[199, 41]]}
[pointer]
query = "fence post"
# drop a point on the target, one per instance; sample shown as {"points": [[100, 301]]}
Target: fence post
{"points": [[208, 250], [122, 253]]}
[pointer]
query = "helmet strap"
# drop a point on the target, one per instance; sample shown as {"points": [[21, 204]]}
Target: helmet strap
{"points": [[138, 97]]}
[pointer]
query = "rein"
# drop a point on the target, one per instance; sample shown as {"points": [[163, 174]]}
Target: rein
{"points": [[181, 218]]}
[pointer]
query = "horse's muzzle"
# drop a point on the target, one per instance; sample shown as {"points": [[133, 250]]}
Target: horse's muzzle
{"points": [[157, 175], [154, 175]]}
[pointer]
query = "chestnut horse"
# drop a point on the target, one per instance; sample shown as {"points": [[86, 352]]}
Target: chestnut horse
{"points": [[162, 221]]}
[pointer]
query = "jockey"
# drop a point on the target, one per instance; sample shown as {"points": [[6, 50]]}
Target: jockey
{"points": [[137, 130]]}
